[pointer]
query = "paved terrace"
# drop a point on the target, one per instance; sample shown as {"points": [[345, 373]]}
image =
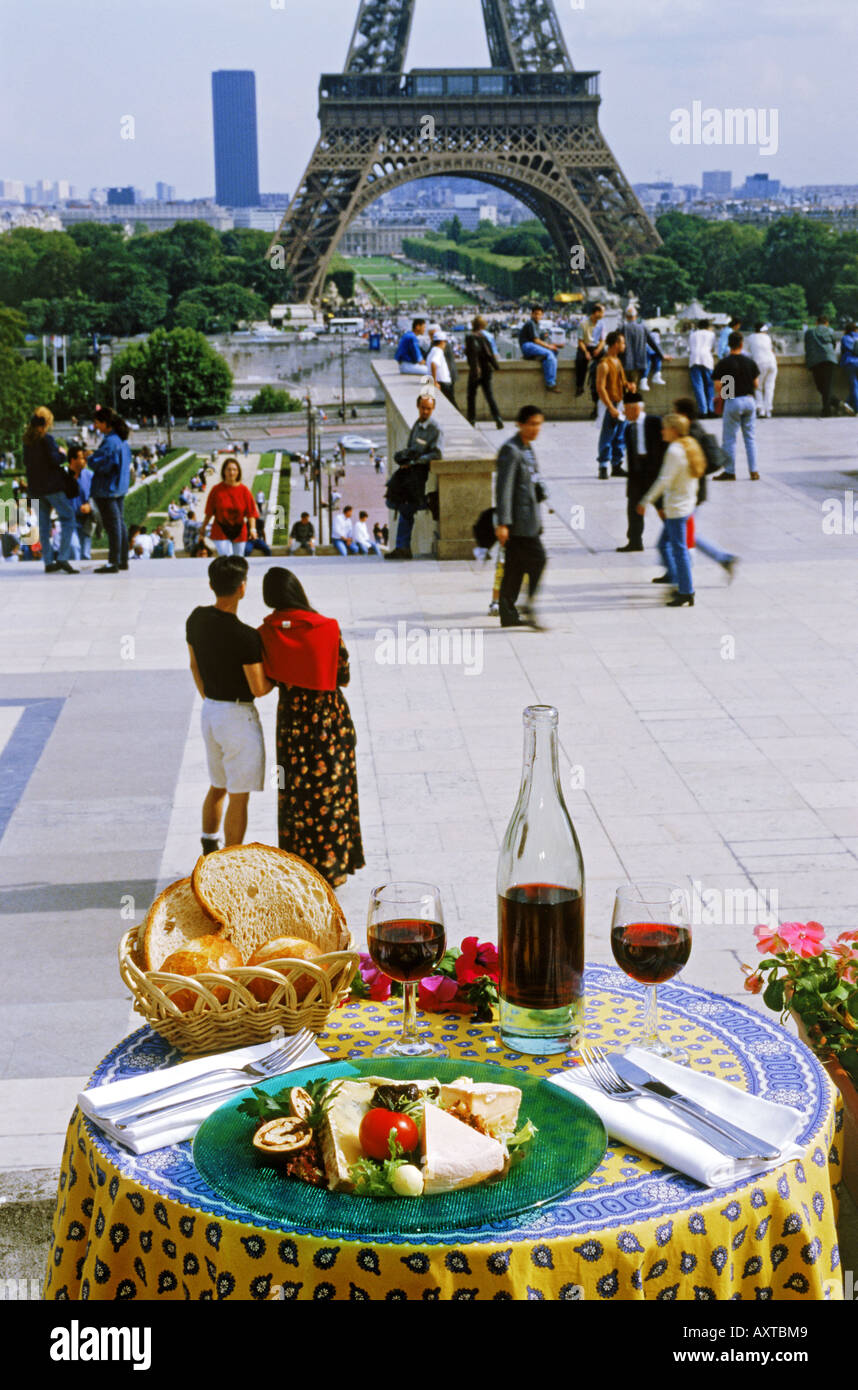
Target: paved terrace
{"points": [[716, 743]]}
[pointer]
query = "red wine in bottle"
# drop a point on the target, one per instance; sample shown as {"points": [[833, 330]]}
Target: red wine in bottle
{"points": [[540, 890]]}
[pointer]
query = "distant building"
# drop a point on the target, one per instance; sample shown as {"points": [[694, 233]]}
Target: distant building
{"points": [[274, 200], [259, 219], [165, 193], [12, 190], [121, 197], [363, 238], [718, 183], [235, 140], [760, 186], [153, 216]]}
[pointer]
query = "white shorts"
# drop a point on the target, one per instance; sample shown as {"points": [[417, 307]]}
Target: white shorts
{"points": [[235, 747]]}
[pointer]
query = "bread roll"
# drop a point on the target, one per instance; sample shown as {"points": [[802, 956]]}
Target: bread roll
{"points": [[208, 954], [173, 921], [281, 948], [258, 892]]}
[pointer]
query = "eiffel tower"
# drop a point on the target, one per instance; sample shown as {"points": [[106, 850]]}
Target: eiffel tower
{"points": [[529, 124]]}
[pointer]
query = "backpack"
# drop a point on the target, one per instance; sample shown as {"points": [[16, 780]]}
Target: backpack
{"points": [[716, 458], [484, 529]]}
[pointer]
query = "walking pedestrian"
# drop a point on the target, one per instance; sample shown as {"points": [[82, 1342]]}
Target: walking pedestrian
{"points": [[736, 378], [820, 355], [701, 364], [715, 458], [645, 449], [48, 483], [318, 815], [849, 361], [611, 386], [111, 468], [760, 347], [482, 364], [676, 488], [591, 345], [231, 512], [534, 347], [638, 341], [518, 529], [226, 664]]}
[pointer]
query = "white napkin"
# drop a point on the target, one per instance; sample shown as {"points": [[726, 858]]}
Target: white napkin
{"points": [[161, 1130], [648, 1125]]}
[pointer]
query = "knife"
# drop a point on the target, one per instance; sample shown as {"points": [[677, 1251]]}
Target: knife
{"points": [[684, 1105]]}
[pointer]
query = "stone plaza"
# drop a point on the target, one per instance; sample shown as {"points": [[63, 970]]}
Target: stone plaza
{"points": [[714, 744]]}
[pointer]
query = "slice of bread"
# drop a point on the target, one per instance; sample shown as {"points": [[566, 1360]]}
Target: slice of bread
{"points": [[174, 919], [258, 892]]}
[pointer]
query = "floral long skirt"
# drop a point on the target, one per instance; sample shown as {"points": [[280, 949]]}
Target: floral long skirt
{"points": [[317, 807]]}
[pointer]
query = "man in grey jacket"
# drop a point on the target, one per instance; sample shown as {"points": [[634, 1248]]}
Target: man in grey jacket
{"points": [[638, 339], [519, 524]]}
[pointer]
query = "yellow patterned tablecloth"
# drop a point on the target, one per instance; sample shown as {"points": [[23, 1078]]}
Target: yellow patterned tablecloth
{"points": [[148, 1227]]}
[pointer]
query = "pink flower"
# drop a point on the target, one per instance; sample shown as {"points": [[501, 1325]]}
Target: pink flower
{"points": [[436, 992], [477, 959], [754, 984], [375, 980], [805, 939], [847, 964], [768, 940]]}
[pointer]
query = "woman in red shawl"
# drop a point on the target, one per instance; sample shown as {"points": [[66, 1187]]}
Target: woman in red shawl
{"points": [[317, 814]]}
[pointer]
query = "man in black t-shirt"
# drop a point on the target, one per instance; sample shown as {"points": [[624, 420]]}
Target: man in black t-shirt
{"points": [[736, 379], [226, 663]]}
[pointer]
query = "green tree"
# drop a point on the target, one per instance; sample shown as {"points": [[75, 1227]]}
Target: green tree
{"points": [[78, 391], [223, 307], [69, 314], [799, 251], [187, 255], [271, 400], [200, 380], [659, 282], [23, 386], [13, 326]]}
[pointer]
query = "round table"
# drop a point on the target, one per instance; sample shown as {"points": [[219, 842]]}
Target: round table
{"points": [[149, 1227]]}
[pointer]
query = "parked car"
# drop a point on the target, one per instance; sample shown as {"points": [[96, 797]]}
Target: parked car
{"points": [[203, 425]]}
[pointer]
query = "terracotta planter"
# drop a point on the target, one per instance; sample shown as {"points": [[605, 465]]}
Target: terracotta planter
{"points": [[849, 1134]]}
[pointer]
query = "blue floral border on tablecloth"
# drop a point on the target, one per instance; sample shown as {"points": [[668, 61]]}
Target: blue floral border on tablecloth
{"points": [[773, 1065]]}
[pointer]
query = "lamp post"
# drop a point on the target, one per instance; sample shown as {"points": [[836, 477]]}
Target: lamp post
{"points": [[343, 377], [167, 384]]}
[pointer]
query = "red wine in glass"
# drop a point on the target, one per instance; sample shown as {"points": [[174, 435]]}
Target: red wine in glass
{"points": [[651, 952], [406, 949], [651, 942]]}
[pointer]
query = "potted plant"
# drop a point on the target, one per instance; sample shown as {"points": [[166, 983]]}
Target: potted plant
{"points": [[817, 982]]}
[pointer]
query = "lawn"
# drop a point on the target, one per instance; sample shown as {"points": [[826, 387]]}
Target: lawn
{"points": [[390, 282]]}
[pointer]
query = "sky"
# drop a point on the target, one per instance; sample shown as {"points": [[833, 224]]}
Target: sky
{"points": [[71, 70]]}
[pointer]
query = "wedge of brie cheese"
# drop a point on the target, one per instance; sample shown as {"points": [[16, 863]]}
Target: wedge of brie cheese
{"points": [[340, 1143], [454, 1154], [496, 1106]]}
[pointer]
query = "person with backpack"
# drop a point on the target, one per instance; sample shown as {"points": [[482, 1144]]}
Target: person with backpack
{"points": [[406, 489], [676, 490]]}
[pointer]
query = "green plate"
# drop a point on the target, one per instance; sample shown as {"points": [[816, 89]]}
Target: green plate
{"points": [[571, 1142]]}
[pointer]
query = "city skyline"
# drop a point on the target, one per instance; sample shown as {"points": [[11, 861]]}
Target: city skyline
{"points": [[652, 60]]}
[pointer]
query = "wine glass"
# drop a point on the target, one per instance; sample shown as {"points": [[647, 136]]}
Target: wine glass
{"points": [[651, 941], [406, 940]]}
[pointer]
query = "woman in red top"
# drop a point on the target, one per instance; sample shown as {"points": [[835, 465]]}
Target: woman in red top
{"points": [[231, 511], [317, 815]]}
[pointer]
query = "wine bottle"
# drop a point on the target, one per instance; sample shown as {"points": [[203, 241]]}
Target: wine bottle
{"points": [[540, 887]]}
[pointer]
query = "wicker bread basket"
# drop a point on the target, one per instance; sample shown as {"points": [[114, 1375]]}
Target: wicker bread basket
{"points": [[238, 1019]]}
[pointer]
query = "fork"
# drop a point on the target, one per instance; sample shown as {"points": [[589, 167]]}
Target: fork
{"points": [[610, 1083], [272, 1064]]}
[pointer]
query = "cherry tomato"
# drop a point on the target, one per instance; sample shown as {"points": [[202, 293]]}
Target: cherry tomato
{"points": [[375, 1130]]}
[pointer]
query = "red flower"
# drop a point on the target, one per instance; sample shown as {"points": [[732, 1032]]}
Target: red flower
{"points": [[805, 939], [848, 936], [754, 984], [436, 992], [376, 982], [768, 940], [477, 959]]}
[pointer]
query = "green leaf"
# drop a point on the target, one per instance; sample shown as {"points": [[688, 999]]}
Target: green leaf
{"points": [[773, 995], [852, 1003]]}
